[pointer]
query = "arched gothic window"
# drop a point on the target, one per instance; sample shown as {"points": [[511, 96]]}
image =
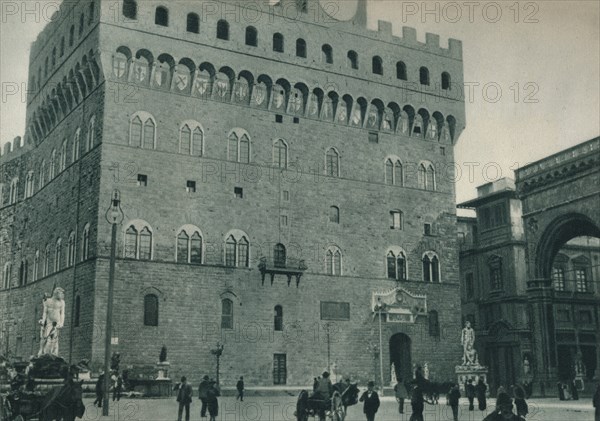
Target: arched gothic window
{"points": [[279, 255], [251, 36], [333, 261], [352, 59], [446, 82], [300, 48], [130, 9], [431, 267], [193, 23], [223, 30], [161, 16], [424, 75], [237, 251], [278, 318], [150, 310], [189, 247], [377, 65], [142, 131], [58, 256], [278, 42], [226, 314], [332, 167], [280, 150], [327, 53], [191, 139]]}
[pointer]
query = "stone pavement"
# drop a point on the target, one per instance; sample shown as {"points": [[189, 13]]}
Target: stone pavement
{"points": [[281, 408]]}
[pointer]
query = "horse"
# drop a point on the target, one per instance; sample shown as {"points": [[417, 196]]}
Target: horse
{"points": [[63, 403], [349, 394]]}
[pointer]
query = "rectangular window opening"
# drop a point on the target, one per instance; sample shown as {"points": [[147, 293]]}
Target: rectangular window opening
{"points": [[278, 118], [142, 180], [296, 120], [427, 229], [191, 186], [373, 137], [239, 192]]}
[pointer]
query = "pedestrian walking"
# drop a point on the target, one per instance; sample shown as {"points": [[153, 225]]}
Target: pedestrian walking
{"points": [[596, 402], [202, 394], [480, 391], [520, 403], [371, 401], [453, 400], [401, 395], [184, 397], [117, 387], [211, 400], [503, 410], [240, 389], [99, 390], [417, 402], [470, 393]]}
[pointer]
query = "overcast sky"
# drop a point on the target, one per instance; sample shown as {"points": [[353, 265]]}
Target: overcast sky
{"points": [[546, 51]]}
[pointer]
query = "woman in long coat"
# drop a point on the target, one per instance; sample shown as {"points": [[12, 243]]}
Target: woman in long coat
{"points": [[212, 401], [520, 403], [480, 390]]}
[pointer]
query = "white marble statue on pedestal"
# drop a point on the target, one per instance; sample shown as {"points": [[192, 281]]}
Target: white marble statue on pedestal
{"points": [[53, 319], [393, 379], [467, 340]]}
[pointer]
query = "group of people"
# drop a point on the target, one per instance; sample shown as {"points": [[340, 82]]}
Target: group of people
{"points": [[117, 382], [504, 404], [208, 393]]}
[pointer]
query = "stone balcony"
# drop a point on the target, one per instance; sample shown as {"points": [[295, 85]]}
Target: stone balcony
{"points": [[289, 267]]}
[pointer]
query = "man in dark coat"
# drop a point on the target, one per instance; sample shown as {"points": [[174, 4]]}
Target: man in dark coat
{"points": [[574, 391], [453, 400], [520, 403], [401, 395], [503, 410], [371, 400], [470, 392], [596, 402], [240, 389], [202, 394], [184, 397], [417, 402], [480, 390], [211, 400]]}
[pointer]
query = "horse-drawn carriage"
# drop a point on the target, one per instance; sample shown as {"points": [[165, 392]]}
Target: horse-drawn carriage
{"points": [[55, 397], [332, 409]]}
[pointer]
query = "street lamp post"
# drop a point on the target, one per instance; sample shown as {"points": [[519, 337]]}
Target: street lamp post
{"points": [[217, 352], [114, 216], [380, 307]]}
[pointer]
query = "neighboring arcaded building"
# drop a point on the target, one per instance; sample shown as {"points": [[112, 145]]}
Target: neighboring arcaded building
{"points": [[498, 297], [279, 178]]}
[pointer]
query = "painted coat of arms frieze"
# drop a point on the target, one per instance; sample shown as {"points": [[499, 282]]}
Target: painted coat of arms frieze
{"points": [[399, 305]]}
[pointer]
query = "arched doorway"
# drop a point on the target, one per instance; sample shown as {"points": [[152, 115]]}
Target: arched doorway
{"points": [[400, 355]]}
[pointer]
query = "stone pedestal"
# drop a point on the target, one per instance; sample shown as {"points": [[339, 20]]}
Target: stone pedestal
{"points": [[473, 372], [162, 370], [84, 375]]}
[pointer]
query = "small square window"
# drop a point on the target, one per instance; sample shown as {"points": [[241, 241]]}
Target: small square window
{"points": [[373, 137], [191, 186], [442, 150], [142, 180], [427, 229], [239, 192], [278, 118], [296, 120], [286, 196], [284, 220]]}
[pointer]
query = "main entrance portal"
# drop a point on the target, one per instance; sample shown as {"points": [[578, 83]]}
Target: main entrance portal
{"points": [[400, 345]]}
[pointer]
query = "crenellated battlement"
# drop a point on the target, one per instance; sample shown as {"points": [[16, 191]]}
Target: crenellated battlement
{"points": [[13, 149]]}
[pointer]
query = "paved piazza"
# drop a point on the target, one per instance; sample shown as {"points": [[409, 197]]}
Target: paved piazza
{"points": [[281, 408]]}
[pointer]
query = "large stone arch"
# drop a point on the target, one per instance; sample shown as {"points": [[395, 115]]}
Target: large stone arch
{"points": [[557, 233]]}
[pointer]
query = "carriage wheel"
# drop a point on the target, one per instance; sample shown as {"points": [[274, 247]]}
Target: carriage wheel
{"points": [[337, 407], [301, 411]]}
